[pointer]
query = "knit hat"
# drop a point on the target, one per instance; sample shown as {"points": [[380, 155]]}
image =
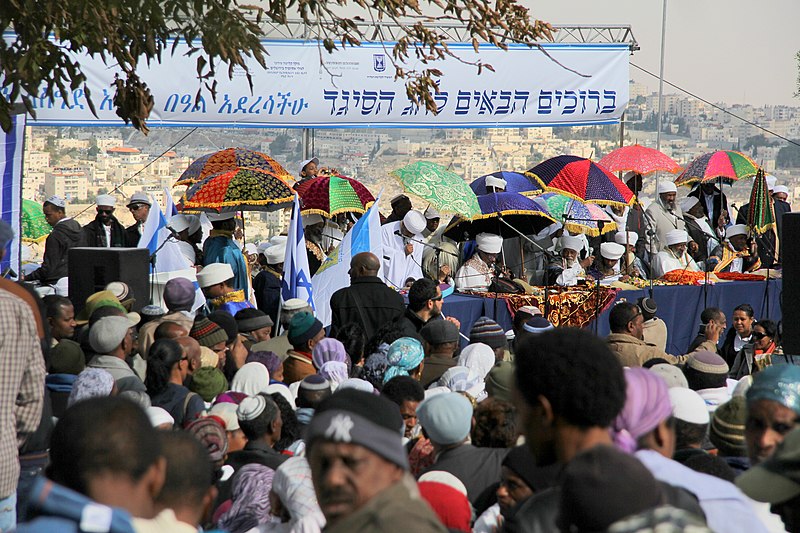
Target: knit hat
{"points": [[446, 418], [251, 319], [437, 332], [207, 333], [706, 370], [537, 325], [303, 328], [179, 294], [208, 382], [108, 333], [489, 332], [314, 382], [445, 478], [776, 480], [671, 374], [266, 358], [727, 428], [66, 357], [226, 321], [357, 417], [500, 380], [777, 383], [294, 304], [648, 307], [688, 406], [212, 435]]}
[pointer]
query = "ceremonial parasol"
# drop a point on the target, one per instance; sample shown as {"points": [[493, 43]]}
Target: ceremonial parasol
{"points": [[580, 178], [446, 191], [331, 195], [761, 215], [231, 159], [725, 166], [639, 159], [239, 190], [516, 210], [577, 216], [515, 182], [34, 226]]}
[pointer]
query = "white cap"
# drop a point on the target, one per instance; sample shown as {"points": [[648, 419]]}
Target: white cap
{"points": [[431, 213], [60, 202], [294, 304], [227, 412], [159, 416], [213, 274], [310, 220], [414, 221], [276, 253], [250, 248], [571, 243], [628, 175], [780, 188], [736, 229], [771, 181], [612, 250], [492, 181], [677, 236], [626, 237], [139, 198], [179, 223], [194, 223], [307, 161], [105, 200], [278, 239], [219, 217], [262, 246], [688, 406], [665, 187], [688, 203], [489, 243]]}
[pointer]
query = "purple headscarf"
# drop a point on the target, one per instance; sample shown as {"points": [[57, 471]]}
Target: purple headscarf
{"points": [[251, 486], [329, 349], [266, 358], [646, 404]]}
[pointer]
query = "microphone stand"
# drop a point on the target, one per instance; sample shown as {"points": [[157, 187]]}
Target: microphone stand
{"points": [[152, 261]]}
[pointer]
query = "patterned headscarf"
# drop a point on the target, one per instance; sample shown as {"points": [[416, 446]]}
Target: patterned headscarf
{"points": [[463, 379], [375, 366], [646, 404], [404, 354], [91, 383], [778, 383], [293, 485], [478, 357], [251, 486], [334, 371]]}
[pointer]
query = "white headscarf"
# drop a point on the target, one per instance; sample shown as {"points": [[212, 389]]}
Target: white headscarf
{"points": [[463, 379], [478, 357], [293, 485], [251, 379]]}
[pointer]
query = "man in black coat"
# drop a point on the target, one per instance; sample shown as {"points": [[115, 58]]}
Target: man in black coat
{"points": [[367, 301], [66, 234], [267, 283], [105, 231]]}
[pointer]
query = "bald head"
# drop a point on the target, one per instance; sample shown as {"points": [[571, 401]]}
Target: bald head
{"points": [[364, 264], [170, 330], [191, 350]]}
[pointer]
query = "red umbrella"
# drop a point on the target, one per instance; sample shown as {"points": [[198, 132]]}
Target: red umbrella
{"points": [[580, 178], [331, 195], [639, 159]]}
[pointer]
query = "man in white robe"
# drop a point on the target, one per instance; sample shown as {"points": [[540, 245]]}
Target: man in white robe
{"points": [[607, 269], [674, 256], [664, 216], [402, 255], [630, 264], [477, 272], [568, 269]]}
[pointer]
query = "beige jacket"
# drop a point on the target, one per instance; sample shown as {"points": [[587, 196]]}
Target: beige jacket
{"points": [[633, 352]]}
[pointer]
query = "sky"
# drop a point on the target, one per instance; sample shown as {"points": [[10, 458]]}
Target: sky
{"points": [[732, 51]]}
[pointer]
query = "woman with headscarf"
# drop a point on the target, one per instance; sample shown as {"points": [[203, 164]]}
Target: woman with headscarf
{"points": [[405, 358], [250, 499], [464, 380], [251, 379], [478, 357], [334, 371], [293, 499], [329, 349], [91, 383], [375, 366]]}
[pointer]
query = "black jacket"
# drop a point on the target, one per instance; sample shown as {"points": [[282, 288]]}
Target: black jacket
{"points": [[267, 288], [367, 301], [714, 216], [65, 235], [410, 323], [95, 236], [766, 241], [132, 235]]}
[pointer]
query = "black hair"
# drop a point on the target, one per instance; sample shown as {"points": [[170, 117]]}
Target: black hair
{"points": [[162, 331], [495, 424], [698, 380], [224, 225], [403, 388], [577, 373], [621, 315], [650, 363], [709, 314], [290, 428], [747, 308], [420, 292], [262, 424], [163, 355], [96, 435], [770, 328], [387, 333], [189, 472], [54, 304], [353, 337], [310, 399], [689, 435], [711, 465]]}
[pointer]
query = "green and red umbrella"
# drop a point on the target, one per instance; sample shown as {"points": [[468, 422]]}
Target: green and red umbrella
{"points": [[330, 195], [761, 216], [231, 159], [244, 189], [639, 159], [725, 166], [581, 179]]}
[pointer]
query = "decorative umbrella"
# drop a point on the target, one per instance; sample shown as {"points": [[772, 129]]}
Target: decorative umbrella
{"points": [[34, 226], [331, 195], [639, 159], [519, 211], [761, 215], [726, 166], [446, 191], [580, 178], [231, 159], [577, 216], [239, 190], [515, 182]]}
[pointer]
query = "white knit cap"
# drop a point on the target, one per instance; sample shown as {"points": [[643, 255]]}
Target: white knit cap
{"points": [[105, 200], [294, 304], [60, 202], [677, 236], [415, 222], [631, 236], [736, 229], [612, 250], [688, 203], [492, 181], [570, 242], [666, 186], [780, 188], [213, 274], [275, 254], [688, 406], [489, 243]]}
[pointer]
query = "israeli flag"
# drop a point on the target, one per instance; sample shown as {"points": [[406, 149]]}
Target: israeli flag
{"points": [[296, 273], [157, 238]]}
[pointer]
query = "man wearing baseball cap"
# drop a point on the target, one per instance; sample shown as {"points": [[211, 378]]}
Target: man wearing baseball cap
{"points": [[139, 206], [308, 169]]}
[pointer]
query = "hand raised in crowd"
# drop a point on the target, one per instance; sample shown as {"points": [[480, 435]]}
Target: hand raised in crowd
{"points": [[586, 263], [409, 249], [455, 321], [713, 331]]}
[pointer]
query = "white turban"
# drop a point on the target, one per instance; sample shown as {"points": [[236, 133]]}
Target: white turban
{"points": [[688, 203], [630, 236], [666, 187], [780, 189], [489, 243], [415, 222], [106, 200], [570, 242], [612, 250], [213, 274], [677, 236], [736, 229]]}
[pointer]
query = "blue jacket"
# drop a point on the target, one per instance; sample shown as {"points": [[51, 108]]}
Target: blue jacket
{"points": [[223, 250]]}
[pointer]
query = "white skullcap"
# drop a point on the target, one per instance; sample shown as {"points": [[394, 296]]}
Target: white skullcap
{"points": [[571, 243], [179, 223], [415, 222], [275, 254], [677, 236], [250, 248], [60, 202], [310, 220], [489, 243], [688, 203], [492, 181], [771, 181], [688, 406], [780, 188], [159, 416], [665, 187], [612, 250], [445, 478], [431, 213], [262, 246], [219, 217], [105, 200], [213, 274], [630, 236], [736, 229], [294, 304]]}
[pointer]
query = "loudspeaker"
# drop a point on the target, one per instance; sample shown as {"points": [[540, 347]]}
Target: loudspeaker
{"points": [[790, 298], [91, 269]]}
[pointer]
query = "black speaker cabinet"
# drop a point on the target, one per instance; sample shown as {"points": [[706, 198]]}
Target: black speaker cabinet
{"points": [[91, 269], [790, 299]]}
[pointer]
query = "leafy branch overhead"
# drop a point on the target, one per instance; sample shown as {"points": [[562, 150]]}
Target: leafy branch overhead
{"points": [[225, 33]]}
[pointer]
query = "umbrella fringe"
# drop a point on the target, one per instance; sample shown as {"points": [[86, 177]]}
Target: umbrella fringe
{"points": [[216, 205], [591, 232], [332, 214], [510, 212]]}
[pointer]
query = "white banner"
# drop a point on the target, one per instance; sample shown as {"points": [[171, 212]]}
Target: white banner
{"points": [[356, 88]]}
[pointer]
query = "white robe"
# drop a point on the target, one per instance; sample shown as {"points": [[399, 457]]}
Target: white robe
{"points": [[569, 276], [397, 266], [663, 222], [666, 261], [470, 278]]}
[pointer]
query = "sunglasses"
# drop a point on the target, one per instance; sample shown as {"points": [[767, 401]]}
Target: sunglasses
{"points": [[136, 207], [437, 298], [758, 335], [105, 211]]}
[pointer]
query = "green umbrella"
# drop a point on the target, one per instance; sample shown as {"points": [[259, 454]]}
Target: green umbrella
{"points": [[446, 191], [34, 226], [761, 215]]}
